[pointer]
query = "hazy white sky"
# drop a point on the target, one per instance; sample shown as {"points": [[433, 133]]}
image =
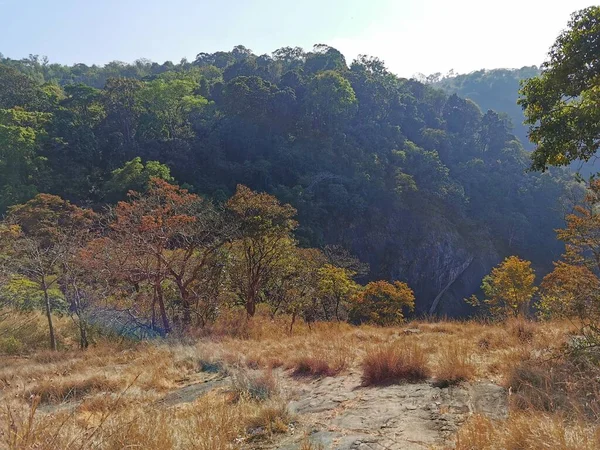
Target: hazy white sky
{"points": [[411, 36]]}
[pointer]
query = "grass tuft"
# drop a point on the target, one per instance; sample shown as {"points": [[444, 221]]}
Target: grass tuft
{"points": [[393, 363]]}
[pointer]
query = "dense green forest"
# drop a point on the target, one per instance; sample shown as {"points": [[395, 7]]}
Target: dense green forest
{"points": [[496, 89], [423, 186]]}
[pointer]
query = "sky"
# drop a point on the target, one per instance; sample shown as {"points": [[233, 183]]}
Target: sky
{"points": [[411, 36]]}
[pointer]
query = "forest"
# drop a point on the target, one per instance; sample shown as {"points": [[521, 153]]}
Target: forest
{"points": [[295, 252], [432, 190]]}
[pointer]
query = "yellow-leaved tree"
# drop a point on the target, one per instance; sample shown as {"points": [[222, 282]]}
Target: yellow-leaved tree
{"points": [[509, 288], [382, 303]]}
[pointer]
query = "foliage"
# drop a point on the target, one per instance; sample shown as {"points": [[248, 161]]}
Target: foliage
{"points": [[335, 289], [266, 241], [382, 303], [571, 290], [509, 288], [562, 104], [371, 162], [135, 176]]}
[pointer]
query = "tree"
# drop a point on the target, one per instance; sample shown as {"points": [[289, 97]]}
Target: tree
{"points": [[335, 289], [582, 229], [265, 228], [21, 165], [509, 288], [47, 226], [562, 104], [330, 99], [573, 288], [167, 234], [135, 176], [572, 291], [167, 104], [382, 303], [293, 289]]}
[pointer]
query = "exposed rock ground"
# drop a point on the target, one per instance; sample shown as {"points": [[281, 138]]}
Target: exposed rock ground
{"points": [[338, 413]]}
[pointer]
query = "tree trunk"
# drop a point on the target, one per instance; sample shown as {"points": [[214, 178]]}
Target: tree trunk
{"points": [[163, 311], [251, 306], [292, 322], [49, 315], [83, 338]]}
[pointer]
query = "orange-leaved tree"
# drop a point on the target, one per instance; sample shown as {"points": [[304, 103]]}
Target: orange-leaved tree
{"points": [[165, 235], [571, 291], [573, 288]]}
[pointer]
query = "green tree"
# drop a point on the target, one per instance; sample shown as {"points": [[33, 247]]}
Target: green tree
{"points": [[22, 168], [330, 100], [562, 104], [167, 104], [134, 176]]}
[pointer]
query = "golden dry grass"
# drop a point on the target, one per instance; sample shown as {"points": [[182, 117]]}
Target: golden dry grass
{"points": [[454, 364], [110, 395], [393, 363], [531, 431]]}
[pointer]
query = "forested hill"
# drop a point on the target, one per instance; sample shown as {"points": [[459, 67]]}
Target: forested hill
{"points": [[496, 89], [422, 185]]}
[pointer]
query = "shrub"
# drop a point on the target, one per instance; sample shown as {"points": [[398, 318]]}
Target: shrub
{"points": [[11, 346], [399, 361], [521, 328], [571, 387]]}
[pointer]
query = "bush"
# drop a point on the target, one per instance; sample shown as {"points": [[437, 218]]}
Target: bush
{"points": [[394, 363], [11, 346], [571, 387], [382, 303]]}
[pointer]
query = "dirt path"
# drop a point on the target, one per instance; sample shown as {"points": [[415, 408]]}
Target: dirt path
{"points": [[336, 413]]}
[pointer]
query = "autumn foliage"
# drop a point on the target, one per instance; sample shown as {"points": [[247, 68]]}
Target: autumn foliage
{"points": [[382, 303]]}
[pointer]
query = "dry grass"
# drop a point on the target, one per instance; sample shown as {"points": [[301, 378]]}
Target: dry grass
{"points": [[454, 365], [256, 386], [118, 385], [392, 363], [565, 385], [212, 422], [62, 390], [315, 365], [532, 431]]}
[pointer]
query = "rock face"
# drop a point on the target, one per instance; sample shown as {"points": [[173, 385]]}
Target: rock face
{"points": [[441, 263], [335, 413]]}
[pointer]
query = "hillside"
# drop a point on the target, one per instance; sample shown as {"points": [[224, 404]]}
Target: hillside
{"points": [[496, 89], [421, 185]]}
